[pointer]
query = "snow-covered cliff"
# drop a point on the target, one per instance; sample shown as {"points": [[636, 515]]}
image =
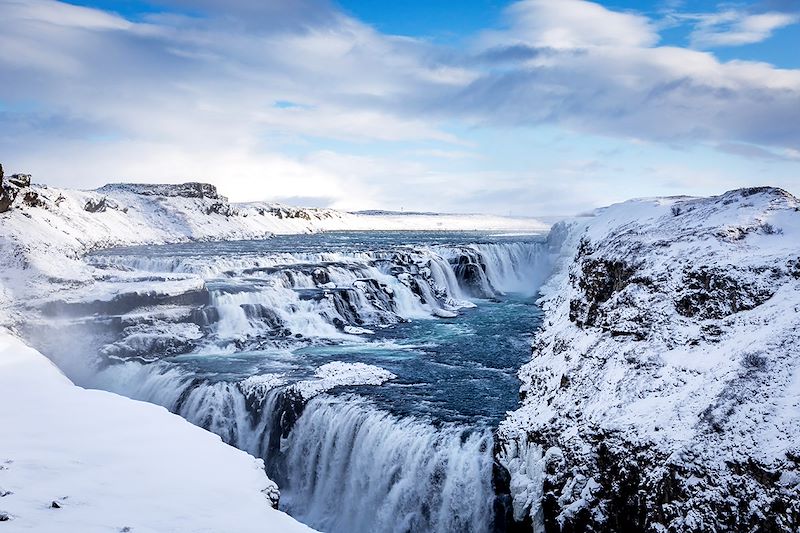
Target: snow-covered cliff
{"points": [[664, 389]]}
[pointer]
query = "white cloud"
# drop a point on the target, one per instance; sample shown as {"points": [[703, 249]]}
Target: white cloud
{"points": [[577, 23], [627, 87], [734, 28], [88, 97]]}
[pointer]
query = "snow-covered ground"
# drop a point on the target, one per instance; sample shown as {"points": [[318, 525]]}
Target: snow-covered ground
{"points": [[664, 388], [83, 461]]}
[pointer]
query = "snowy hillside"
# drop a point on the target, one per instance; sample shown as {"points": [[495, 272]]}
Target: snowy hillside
{"points": [[46, 222], [83, 461], [664, 389]]}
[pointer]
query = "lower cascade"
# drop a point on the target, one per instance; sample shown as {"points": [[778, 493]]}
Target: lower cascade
{"points": [[369, 378], [351, 467]]}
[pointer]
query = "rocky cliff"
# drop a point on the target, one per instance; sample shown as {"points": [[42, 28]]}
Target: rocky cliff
{"points": [[664, 389]]}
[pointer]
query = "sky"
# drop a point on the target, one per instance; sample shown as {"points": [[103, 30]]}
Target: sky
{"points": [[533, 107]]}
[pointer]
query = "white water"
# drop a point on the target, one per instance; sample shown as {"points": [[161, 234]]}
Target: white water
{"points": [[355, 468], [345, 466]]}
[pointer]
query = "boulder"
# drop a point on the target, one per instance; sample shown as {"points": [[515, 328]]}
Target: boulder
{"points": [[20, 180], [7, 197], [32, 199], [95, 206]]}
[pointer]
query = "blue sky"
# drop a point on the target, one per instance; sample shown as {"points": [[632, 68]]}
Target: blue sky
{"points": [[528, 107]]}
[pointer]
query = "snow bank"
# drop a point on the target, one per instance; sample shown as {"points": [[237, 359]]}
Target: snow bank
{"points": [[113, 464], [664, 389], [340, 374]]}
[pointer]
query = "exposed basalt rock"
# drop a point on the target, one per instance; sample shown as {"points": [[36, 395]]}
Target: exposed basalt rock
{"points": [[7, 197], [604, 287], [502, 506], [8, 193], [221, 208], [598, 280], [625, 486], [11, 187], [717, 293], [186, 190], [33, 199], [95, 206], [283, 212], [205, 316], [20, 180], [470, 271], [320, 276], [289, 406]]}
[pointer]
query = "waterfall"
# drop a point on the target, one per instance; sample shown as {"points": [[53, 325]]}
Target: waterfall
{"points": [[343, 464], [353, 468], [517, 266]]}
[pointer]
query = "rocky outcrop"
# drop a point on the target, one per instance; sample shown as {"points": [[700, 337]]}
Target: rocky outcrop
{"points": [[664, 389], [95, 206], [14, 186], [185, 190], [20, 180], [7, 194]]}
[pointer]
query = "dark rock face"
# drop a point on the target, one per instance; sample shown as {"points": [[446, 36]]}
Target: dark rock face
{"points": [[95, 206], [503, 507], [470, 271], [599, 280], [221, 208], [32, 199], [7, 197], [713, 293], [186, 190], [10, 188], [639, 488], [606, 285], [288, 212], [20, 180]]}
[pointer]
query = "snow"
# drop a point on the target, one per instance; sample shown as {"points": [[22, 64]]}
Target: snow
{"points": [[692, 355], [43, 244], [259, 385], [112, 463], [339, 374]]}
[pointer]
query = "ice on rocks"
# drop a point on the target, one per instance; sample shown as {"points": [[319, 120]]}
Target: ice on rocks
{"points": [[338, 374]]}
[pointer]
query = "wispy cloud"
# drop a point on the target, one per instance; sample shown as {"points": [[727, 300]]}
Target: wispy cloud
{"points": [[735, 28]]}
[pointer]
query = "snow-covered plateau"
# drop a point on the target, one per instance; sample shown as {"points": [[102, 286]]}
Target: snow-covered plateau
{"points": [[663, 393]]}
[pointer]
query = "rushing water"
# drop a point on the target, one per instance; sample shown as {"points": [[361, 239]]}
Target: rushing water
{"points": [[451, 315]]}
